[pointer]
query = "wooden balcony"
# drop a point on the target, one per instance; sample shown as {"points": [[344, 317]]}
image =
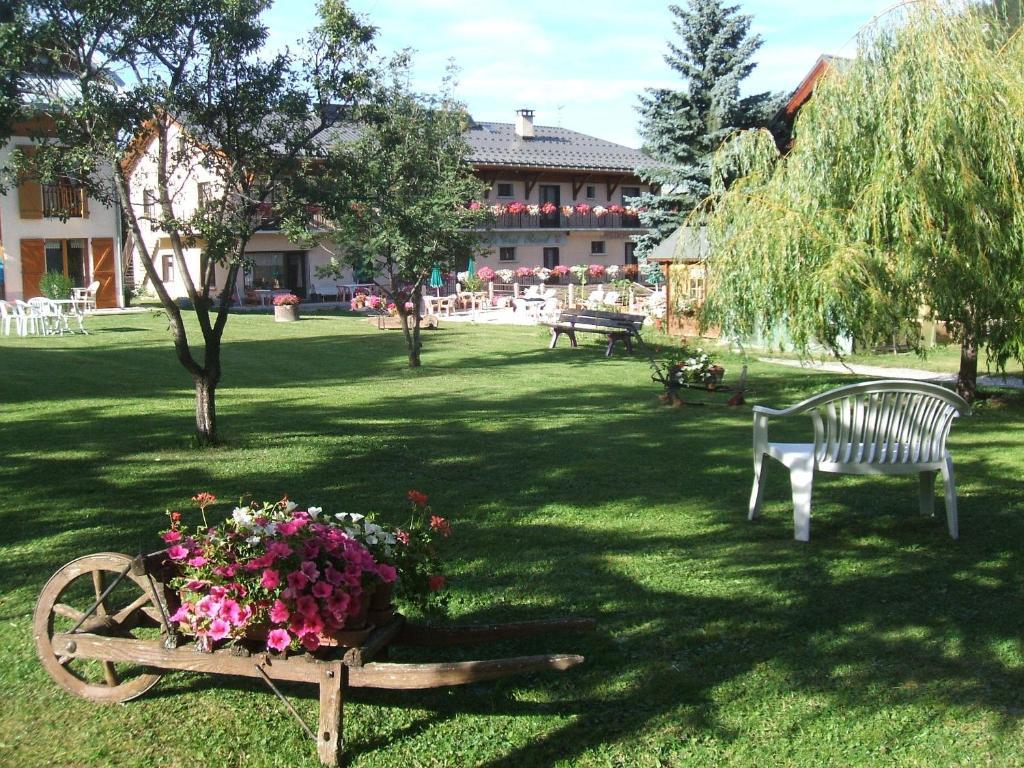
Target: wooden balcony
{"points": [[62, 201]]}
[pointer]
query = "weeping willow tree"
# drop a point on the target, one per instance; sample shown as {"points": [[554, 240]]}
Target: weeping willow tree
{"points": [[902, 197]]}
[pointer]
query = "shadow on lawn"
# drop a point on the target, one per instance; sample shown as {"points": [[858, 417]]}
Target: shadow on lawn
{"points": [[880, 607]]}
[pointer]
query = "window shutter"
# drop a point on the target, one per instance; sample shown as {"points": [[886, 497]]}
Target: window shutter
{"points": [[30, 192], [33, 264], [103, 268], [85, 202]]}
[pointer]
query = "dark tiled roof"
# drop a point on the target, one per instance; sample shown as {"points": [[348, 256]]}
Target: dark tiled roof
{"points": [[497, 144]]}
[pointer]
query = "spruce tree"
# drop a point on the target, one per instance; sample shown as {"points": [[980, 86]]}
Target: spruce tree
{"points": [[683, 128]]}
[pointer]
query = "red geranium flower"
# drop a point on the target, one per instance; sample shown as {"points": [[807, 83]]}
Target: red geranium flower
{"points": [[436, 582], [417, 498]]}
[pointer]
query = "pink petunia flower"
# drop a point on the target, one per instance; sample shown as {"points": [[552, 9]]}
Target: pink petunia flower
{"points": [[279, 612], [219, 629], [271, 579], [297, 581], [333, 575], [387, 573], [309, 568], [307, 606], [171, 536], [322, 589], [177, 552], [278, 639], [310, 641], [198, 561]]}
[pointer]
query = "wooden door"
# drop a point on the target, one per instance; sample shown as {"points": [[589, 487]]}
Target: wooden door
{"points": [[104, 267], [551, 258], [33, 265]]}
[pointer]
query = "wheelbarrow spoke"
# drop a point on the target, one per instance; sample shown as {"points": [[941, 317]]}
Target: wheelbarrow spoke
{"points": [[62, 609]]}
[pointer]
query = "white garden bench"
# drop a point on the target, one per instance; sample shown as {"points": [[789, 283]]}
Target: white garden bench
{"points": [[892, 427]]}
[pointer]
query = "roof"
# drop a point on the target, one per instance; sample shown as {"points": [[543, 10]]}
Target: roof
{"points": [[686, 244], [498, 144], [805, 90]]}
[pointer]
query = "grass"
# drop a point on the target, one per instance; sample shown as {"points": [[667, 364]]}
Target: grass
{"points": [[572, 491]]}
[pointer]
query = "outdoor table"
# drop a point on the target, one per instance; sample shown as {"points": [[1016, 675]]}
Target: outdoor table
{"points": [[349, 290], [266, 295]]}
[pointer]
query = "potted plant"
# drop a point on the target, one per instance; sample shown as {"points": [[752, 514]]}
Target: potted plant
{"points": [[286, 308]]}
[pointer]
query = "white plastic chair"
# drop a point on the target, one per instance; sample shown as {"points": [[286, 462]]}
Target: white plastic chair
{"points": [[595, 300], [7, 316], [31, 321], [891, 427], [48, 315]]}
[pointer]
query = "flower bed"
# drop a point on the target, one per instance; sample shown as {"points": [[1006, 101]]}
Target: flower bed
{"points": [[296, 578]]}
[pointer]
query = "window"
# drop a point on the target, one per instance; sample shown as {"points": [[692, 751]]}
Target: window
{"points": [[203, 192], [506, 253], [148, 203], [597, 248], [505, 189], [167, 268], [628, 193], [697, 287], [591, 192], [179, 144], [66, 257]]}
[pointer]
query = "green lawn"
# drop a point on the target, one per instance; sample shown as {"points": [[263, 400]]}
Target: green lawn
{"points": [[572, 491]]}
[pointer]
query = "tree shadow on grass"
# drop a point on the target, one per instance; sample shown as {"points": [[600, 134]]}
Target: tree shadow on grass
{"points": [[586, 500]]}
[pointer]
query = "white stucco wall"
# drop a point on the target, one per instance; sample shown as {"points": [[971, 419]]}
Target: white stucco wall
{"points": [[101, 222]]}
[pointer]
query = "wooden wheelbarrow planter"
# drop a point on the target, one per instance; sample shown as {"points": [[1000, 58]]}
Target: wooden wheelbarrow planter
{"points": [[114, 653]]}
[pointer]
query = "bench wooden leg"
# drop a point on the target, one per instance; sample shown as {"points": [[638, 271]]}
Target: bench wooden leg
{"points": [[554, 338], [330, 740], [572, 339], [611, 346]]}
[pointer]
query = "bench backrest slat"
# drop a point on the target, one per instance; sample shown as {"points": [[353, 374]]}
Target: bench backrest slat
{"points": [[887, 426]]}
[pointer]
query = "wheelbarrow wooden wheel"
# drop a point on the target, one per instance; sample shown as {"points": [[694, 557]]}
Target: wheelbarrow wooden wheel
{"points": [[127, 611]]}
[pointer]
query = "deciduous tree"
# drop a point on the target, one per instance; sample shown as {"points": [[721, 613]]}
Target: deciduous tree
{"points": [[119, 78], [903, 195]]}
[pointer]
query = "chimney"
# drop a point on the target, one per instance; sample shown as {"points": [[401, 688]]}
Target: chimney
{"points": [[524, 123]]}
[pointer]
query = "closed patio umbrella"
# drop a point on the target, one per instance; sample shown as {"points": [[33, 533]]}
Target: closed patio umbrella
{"points": [[436, 281], [471, 266]]}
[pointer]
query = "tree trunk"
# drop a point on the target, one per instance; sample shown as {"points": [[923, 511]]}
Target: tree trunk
{"points": [[967, 379], [206, 410]]}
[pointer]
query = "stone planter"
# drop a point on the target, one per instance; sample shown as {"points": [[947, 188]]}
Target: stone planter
{"points": [[286, 313]]}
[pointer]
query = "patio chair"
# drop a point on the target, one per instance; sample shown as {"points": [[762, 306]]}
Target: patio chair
{"points": [[891, 427], [7, 316], [595, 300], [29, 320], [47, 313], [85, 298]]}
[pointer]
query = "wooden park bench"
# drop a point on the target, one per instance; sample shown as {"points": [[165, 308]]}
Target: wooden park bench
{"points": [[617, 326]]}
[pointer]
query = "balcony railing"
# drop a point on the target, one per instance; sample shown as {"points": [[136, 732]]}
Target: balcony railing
{"points": [[271, 222], [561, 221], [62, 200]]}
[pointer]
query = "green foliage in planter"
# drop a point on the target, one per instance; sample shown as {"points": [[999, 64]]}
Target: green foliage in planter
{"points": [[55, 285]]}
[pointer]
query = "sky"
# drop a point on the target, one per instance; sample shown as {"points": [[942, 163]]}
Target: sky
{"points": [[579, 65]]}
